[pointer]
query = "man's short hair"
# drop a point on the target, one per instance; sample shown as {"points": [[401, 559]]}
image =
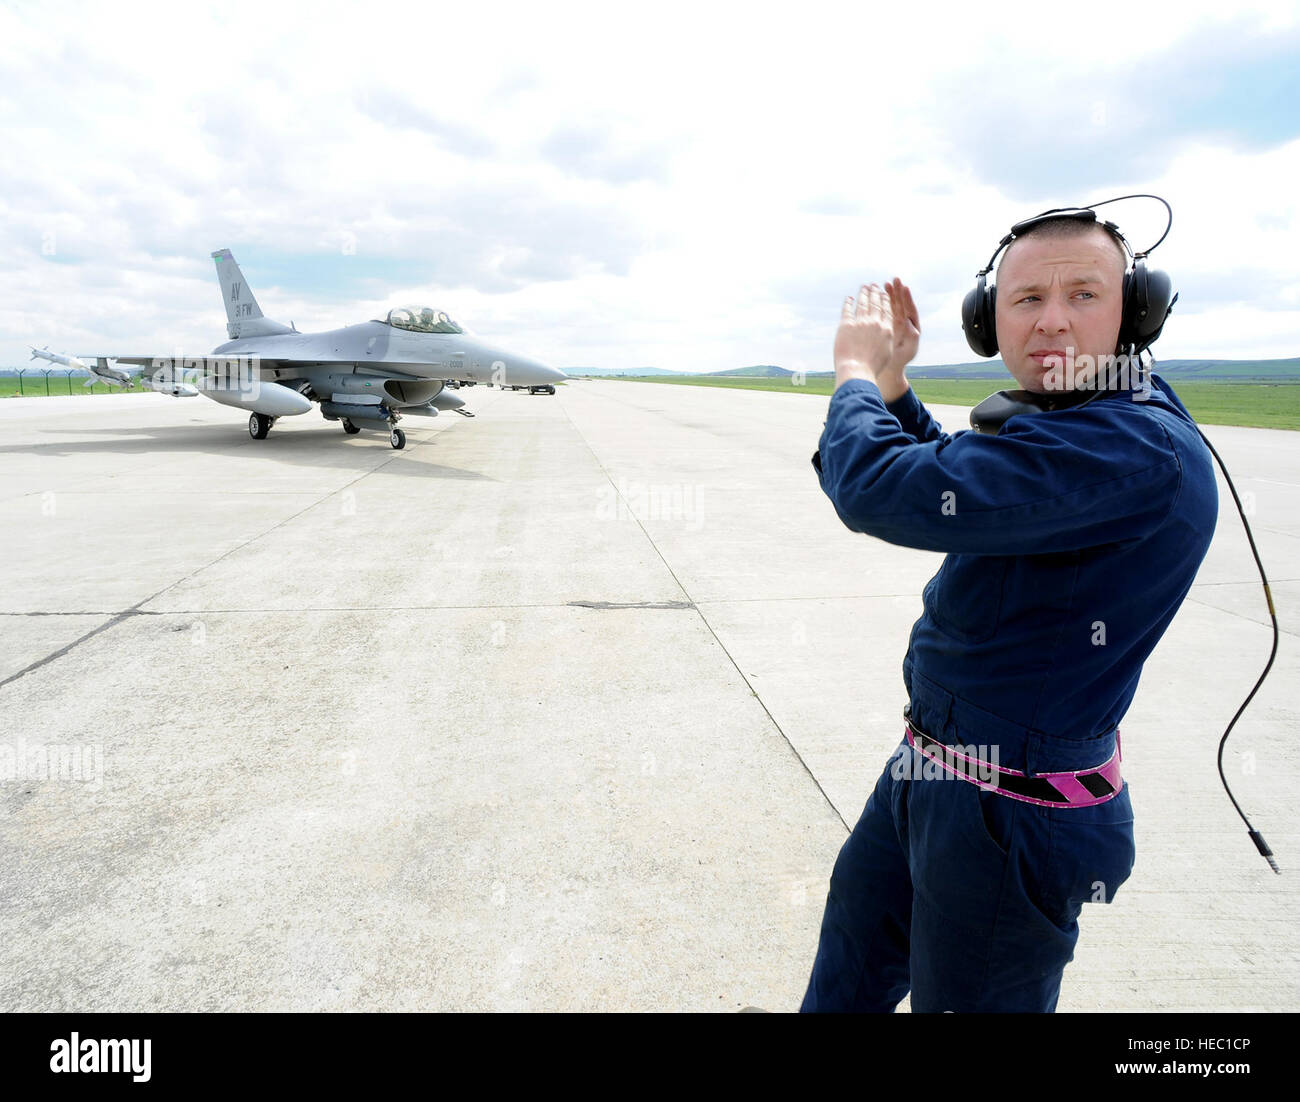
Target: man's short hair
{"points": [[1065, 227]]}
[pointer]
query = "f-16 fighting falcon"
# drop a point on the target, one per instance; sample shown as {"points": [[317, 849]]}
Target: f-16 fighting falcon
{"points": [[366, 376]]}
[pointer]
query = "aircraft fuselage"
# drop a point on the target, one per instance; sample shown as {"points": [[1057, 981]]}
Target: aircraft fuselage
{"points": [[380, 347]]}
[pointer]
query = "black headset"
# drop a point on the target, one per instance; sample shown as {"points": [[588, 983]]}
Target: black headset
{"points": [[1147, 295]]}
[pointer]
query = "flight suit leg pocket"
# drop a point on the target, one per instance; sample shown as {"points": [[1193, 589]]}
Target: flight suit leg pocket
{"points": [[1092, 854]]}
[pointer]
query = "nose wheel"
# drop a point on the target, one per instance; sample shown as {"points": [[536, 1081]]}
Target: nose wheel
{"points": [[398, 439], [259, 424]]}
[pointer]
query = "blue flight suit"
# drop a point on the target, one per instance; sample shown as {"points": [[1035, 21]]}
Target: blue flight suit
{"points": [[1073, 536]]}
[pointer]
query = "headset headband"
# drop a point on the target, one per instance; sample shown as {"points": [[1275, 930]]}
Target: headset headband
{"points": [[1080, 214]]}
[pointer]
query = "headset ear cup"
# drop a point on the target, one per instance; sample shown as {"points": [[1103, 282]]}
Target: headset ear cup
{"points": [[969, 320], [978, 318], [1148, 298], [1160, 300], [991, 319], [1126, 310]]}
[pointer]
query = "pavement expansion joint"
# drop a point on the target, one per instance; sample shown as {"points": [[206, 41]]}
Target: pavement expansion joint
{"points": [[631, 604]]}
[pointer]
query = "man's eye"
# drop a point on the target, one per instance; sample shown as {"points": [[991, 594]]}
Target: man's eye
{"points": [[1034, 298]]}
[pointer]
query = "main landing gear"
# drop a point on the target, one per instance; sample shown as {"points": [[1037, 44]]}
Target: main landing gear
{"points": [[259, 424]]}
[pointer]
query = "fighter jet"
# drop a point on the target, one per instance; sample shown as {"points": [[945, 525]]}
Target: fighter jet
{"points": [[365, 376]]}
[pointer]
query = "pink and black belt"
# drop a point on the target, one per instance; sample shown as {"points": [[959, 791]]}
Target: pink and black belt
{"points": [[1076, 788]]}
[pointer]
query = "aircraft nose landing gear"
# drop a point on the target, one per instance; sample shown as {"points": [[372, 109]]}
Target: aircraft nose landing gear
{"points": [[259, 424], [398, 439]]}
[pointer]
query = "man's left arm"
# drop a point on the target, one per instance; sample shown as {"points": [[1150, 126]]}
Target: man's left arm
{"points": [[1047, 482]]}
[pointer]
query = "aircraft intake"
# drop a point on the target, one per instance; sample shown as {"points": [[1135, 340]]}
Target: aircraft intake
{"points": [[403, 392], [395, 393]]}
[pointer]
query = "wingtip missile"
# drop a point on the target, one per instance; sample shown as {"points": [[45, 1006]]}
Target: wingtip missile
{"points": [[99, 371], [56, 358]]}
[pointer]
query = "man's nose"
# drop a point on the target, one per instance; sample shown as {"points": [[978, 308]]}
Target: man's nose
{"points": [[1052, 318]]}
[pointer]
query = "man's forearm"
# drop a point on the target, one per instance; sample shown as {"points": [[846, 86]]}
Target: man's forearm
{"points": [[892, 389]]}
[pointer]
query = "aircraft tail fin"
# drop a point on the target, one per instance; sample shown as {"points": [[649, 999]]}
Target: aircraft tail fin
{"points": [[244, 317]]}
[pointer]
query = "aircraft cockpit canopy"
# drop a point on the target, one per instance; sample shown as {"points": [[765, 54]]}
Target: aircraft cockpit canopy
{"points": [[422, 319]]}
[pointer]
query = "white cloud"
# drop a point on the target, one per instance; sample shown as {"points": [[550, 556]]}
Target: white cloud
{"points": [[690, 186]]}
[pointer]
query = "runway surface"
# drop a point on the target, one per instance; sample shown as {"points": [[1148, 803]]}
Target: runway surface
{"points": [[567, 707]]}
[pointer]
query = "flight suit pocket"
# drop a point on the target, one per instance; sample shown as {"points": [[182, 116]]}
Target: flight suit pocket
{"points": [[1092, 854], [997, 817]]}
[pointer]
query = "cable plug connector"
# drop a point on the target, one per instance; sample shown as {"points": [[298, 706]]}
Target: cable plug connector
{"points": [[1265, 852]]}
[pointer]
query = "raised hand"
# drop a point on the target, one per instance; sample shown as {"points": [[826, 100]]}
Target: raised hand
{"points": [[892, 379], [907, 324], [864, 342]]}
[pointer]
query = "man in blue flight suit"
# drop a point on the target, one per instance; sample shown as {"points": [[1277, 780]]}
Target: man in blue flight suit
{"points": [[1073, 535]]}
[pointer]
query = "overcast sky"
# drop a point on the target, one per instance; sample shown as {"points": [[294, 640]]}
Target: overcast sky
{"points": [[693, 187]]}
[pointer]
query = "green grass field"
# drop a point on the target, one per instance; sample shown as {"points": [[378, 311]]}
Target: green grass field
{"points": [[37, 386], [1254, 405]]}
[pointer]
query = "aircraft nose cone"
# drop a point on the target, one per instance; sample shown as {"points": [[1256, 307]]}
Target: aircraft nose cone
{"points": [[511, 369], [525, 372], [528, 372]]}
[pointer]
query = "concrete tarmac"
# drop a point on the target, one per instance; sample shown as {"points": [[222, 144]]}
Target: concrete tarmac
{"points": [[568, 707]]}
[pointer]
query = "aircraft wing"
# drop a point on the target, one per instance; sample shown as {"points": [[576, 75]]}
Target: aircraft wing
{"points": [[381, 369], [188, 362], [89, 359]]}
